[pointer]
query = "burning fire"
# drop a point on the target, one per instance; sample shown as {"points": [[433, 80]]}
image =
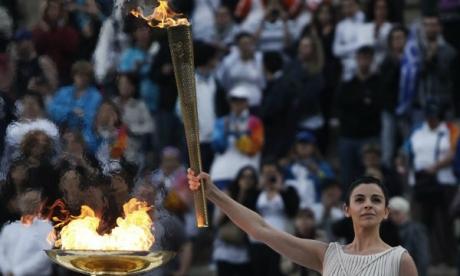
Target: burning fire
{"points": [[162, 16], [132, 233]]}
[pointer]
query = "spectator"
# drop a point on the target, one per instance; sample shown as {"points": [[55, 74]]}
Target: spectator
{"points": [[347, 40], [172, 194], [231, 247], [305, 228], [136, 117], [324, 25], [225, 29], [431, 149], [251, 12], [373, 166], [413, 235], [279, 105], [169, 234], [390, 72], [138, 59], [273, 32], [111, 43], [307, 68], [328, 211], [378, 30], [75, 155], [429, 70], [72, 185], [108, 137], [308, 169], [22, 243], [203, 18], [31, 117], [33, 72], [75, 106], [237, 139], [277, 203], [243, 65], [395, 9], [53, 37], [88, 17], [170, 183], [356, 97]]}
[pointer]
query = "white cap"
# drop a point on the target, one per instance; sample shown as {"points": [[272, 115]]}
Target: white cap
{"points": [[398, 203], [241, 91]]}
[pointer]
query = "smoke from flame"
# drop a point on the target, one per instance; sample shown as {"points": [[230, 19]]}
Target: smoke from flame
{"points": [[162, 16], [133, 231]]}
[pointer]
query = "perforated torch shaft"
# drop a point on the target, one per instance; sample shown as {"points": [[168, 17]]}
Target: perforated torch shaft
{"points": [[180, 43]]}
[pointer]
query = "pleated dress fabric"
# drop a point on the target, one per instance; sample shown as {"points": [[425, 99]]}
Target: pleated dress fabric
{"points": [[339, 263]]}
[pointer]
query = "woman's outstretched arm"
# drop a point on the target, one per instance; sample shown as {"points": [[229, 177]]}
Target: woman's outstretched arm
{"points": [[308, 253]]}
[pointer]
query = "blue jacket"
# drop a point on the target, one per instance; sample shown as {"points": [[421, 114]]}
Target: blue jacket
{"points": [[61, 107]]}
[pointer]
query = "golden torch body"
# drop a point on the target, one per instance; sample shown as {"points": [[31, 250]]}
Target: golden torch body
{"points": [[180, 44]]}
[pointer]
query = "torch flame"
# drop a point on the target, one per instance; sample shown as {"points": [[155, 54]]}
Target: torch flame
{"points": [[162, 16], [132, 233]]}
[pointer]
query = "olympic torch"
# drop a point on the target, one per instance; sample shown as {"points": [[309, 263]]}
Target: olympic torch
{"points": [[180, 44]]}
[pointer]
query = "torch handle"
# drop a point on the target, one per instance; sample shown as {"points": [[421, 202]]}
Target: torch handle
{"points": [[180, 43]]}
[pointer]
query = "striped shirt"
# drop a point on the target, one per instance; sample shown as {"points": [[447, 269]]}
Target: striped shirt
{"points": [[339, 263]]}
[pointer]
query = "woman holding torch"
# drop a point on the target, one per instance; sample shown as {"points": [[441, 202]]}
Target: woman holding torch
{"points": [[366, 204]]}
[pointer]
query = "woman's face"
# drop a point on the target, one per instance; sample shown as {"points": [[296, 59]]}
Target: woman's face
{"points": [[42, 145], [125, 87], [305, 50], [81, 81], [246, 46], [32, 108], [380, 10], [53, 11], [324, 15], [304, 150], [142, 35], [106, 116], [367, 206], [246, 180], [304, 224], [398, 41], [70, 189]]}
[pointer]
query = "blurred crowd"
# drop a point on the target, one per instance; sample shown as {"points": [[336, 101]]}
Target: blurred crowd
{"points": [[296, 98]]}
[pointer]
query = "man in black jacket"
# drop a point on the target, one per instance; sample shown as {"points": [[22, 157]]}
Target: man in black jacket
{"points": [[278, 107], [359, 105]]}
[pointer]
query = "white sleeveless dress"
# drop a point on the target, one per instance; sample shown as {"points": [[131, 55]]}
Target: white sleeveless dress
{"points": [[339, 263]]}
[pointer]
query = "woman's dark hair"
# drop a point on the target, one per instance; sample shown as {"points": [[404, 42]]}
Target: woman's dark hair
{"points": [[366, 180], [306, 213], [29, 142], [234, 187], [133, 78]]}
